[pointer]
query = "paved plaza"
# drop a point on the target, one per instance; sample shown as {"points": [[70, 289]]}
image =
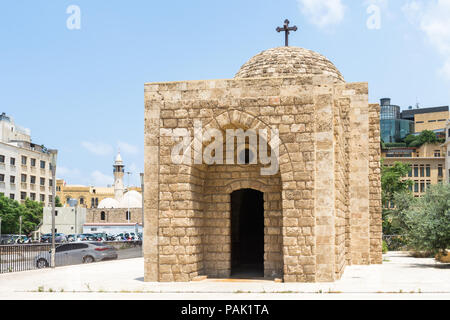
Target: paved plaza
{"points": [[400, 277]]}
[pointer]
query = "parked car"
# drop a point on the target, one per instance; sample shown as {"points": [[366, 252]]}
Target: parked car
{"points": [[59, 238], [20, 239], [77, 253], [7, 239]]}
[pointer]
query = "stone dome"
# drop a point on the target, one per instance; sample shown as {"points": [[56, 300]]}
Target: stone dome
{"points": [[288, 61], [131, 199], [108, 203]]}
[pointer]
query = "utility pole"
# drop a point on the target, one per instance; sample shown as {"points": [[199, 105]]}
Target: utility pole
{"points": [[54, 155]]}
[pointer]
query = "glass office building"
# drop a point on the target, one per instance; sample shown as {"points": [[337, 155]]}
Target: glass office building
{"points": [[393, 128]]}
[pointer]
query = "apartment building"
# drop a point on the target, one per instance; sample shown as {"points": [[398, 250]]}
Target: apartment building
{"points": [[427, 163], [25, 167]]}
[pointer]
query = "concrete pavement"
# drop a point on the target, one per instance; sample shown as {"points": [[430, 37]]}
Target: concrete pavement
{"points": [[400, 277]]}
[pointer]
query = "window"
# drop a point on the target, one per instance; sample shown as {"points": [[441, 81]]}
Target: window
{"points": [[42, 164], [42, 197], [92, 202], [422, 186], [12, 179], [50, 199], [2, 159], [420, 122], [81, 200], [23, 196], [416, 171], [422, 171], [410, 172], [33, 162], [33, 196], [50, 183], [437, 153], [12, 196], [416, 186], [42, 181], [128, 215], [103, 216], [440, 171], [24, 160], [33, 179], [428, 171], [56, 213], [432, 121], [2, 178], [96, 202], [64, 247], [23, 178], [12, 161]]}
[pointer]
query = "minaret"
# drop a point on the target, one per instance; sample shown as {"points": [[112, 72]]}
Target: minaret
{"points": [[119, 170]]}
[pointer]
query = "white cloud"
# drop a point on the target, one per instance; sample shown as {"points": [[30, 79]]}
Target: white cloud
{"points": [[97, 148], [432, 17], [323, 13], [128, 148], [67, 174], [100, 179]]}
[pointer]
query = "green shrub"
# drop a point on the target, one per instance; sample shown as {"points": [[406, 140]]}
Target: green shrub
{"points": [[385, 247]]}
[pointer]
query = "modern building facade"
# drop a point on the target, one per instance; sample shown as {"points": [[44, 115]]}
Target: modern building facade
{"points": [[432, 119], [25, 167], [393, 127]]}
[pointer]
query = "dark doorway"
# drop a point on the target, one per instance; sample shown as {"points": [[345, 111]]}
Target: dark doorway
{"points": [[247, 233]]}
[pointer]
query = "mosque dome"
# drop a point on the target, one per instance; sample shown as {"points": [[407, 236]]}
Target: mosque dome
{"points": [[288, 61], [108, 203], [131, 199]]}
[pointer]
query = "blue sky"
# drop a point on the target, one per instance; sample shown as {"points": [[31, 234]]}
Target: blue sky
{"points": [[81, 91]]}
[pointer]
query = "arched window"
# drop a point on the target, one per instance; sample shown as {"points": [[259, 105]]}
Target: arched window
{"points": [[128, 215], [92, 203], [81, 200], [96, 202], [103, 216]]}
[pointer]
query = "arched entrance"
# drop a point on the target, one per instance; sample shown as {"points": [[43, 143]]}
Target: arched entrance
{"points": [[247, 233]]}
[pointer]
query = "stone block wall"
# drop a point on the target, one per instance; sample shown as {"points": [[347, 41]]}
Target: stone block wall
{"points": [[376, 229], [113, 215]]}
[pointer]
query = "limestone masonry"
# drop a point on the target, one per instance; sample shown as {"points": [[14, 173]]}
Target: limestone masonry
{"points": [[321, 211]]}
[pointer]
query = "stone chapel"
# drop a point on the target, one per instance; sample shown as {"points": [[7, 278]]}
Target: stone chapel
{"points": [[320, 212]]}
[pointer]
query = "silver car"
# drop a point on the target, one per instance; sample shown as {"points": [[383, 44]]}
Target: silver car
{"points": [[77, 253]]}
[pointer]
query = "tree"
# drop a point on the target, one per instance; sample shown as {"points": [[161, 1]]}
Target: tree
{"points": [[10, 211], [393, 182], [58, 203], [427, 220], [424, 137]]}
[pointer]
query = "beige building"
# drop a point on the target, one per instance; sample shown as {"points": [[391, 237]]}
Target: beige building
{"points": [[92, 197], [25, 167], [427, 164], [320, 212]]}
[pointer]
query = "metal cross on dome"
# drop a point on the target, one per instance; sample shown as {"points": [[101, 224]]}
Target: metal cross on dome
{"points": [[287, 31]]}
